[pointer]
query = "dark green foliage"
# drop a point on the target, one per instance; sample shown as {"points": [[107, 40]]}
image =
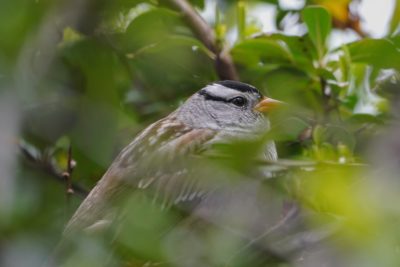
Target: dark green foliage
{"points": [[90, 77]]}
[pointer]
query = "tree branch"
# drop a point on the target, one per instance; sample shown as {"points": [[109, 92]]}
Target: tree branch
{"points": [[223, 63], [67, 174], [51, 170]]}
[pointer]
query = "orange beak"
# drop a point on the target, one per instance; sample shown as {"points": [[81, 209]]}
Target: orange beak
{"points": [[266, 104]]}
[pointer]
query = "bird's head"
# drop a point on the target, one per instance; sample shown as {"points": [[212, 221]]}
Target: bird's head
{"points": [[228, 106]]}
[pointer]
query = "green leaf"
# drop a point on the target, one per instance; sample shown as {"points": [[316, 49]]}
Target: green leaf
{"points": [[269, 52], [396, 41], [395, 21], [301, 50], [99, 76], [319, 134], [339, 135], [198, 3], [319, 24], [364, 118], [288, 84], [274, 2], [151, 27], [99, 67], [118, 16], [380, 53], [173, 66], [344, 64], [257, 52], [241, 17], [70, 36], [289, 129], [19, 19], [126, 3]]}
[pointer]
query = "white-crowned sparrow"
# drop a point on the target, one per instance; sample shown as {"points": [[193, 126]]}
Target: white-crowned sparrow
{"points": [[162, 162], [220, 113]]}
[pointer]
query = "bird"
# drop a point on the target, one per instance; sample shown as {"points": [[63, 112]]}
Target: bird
{"points": [[164, 161]]}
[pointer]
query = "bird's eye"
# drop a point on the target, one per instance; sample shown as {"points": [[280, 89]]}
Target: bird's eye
{"points": [[238, 101]]}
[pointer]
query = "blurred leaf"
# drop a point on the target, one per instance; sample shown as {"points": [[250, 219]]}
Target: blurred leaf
{"points": [[319, 134], [290, 85], [364, 118], [241, 19], [326, 138], [253, 27], [362, 83], [344, 64], [126, 3], [340, 136], [177, 65], [248, 151], [100, 68], [143, 237], [102, 80], [220, 27], [118, 16], [339, 9], [44, 124], [380, 53], [275, 2], [289, 129], [256, 52], [318, 21], [276, 50], [301, 50], [19, 19], [198, 3], [60, 153], [396, 40], [162, 22], [70, 36], [395, 20], [172, 40], [336, 190]]}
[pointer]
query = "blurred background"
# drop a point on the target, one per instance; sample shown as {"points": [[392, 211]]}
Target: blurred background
{"points": [[80, 78]]}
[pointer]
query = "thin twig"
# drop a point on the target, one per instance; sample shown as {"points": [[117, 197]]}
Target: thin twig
{"points": [[325, 97], [68, 175], [51, 170], [224, 65]]}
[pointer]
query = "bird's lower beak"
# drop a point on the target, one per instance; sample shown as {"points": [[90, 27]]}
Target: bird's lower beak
{"points": [[266, 104]]}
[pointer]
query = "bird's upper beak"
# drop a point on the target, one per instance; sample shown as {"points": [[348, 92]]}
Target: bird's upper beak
{"points": [[266, 104]]}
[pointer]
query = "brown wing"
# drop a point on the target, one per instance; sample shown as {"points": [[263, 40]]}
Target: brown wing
{"points": [[156, 161]]}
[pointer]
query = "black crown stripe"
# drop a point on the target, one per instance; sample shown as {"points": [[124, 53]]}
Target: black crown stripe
{"points": [[239, 86]]}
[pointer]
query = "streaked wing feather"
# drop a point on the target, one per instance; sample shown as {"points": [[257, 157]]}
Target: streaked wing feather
{"points": [[155, 162]]}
